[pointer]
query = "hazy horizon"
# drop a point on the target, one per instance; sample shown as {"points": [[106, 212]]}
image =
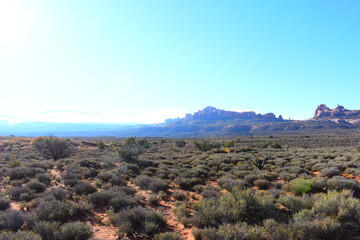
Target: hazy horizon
{"points": [[146, 61]]}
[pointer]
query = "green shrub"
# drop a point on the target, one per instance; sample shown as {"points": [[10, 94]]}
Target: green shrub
{"points": [[76, 231], [205, 146], [300, 185], [143, 143], [100, 145], [130, 152], [229, 144], [53, 147]]}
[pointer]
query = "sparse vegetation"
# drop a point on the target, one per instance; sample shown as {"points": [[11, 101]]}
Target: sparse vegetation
{"points": [[212, 189]]}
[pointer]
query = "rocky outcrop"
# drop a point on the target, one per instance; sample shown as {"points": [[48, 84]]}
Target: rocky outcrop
{"points": [[211, 113], [322, 111]]}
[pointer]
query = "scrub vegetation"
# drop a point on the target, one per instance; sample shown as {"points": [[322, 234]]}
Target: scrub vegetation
{"points": [[270, 188]]}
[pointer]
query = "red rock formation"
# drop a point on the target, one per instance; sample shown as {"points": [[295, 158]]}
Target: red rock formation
{"points": [[322, 111], [211, 113]]}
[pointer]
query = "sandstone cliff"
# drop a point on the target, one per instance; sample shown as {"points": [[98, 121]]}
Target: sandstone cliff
{"points": [[211, 113], [322, 111]]}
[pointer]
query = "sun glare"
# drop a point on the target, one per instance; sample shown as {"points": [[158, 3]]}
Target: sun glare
{"points": [[12, 21]]}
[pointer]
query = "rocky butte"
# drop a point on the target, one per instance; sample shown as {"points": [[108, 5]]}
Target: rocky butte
{"points": [[211, 113], [322, 111]]}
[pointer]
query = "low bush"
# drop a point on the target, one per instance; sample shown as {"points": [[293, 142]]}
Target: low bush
{"points": [[101, 199], [187, 183], [60, 211], [130, 152], [180, 143], [339, 183], [101, 145], [296, 204], [138, 220], [53, 147], [47, 230], [150, 183], [300, 185], [19, 193], [330, 172], [4, 203], [286, 176], [238, 231], [84, 188], [205, 146], [75, 231], [43, 178], [181, 213], [53, 210], [122, 201], [326, 228], [229, 144], [36, 186], [21, 173], [90, 163], [229, 183], [58, 193], [168, 236], [19, 235], [262, 184], [11, 220], [241, 205], [179, 196], [338, 205]]}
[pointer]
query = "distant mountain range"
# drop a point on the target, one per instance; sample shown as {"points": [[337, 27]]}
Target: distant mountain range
{"points": [[209, 122], [33, 129]]}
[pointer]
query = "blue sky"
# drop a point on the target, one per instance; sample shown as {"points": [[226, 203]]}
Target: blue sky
{"points": [[144, 61]]}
